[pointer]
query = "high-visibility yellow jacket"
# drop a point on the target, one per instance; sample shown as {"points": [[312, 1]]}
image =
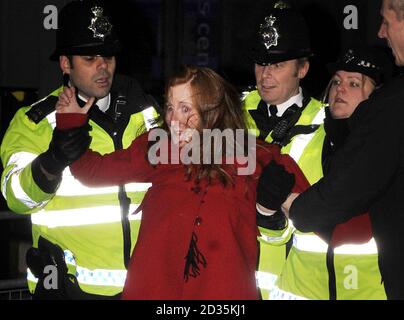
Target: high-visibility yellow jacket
{"points": [[304, 273], [85, 222], [273, 244], [313, 270]]}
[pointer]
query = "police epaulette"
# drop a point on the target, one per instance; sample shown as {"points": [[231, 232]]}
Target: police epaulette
{"points": [[42, 108], [136, 98]]}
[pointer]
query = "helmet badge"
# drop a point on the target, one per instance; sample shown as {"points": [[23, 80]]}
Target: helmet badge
{"points": [[269, 33], [349, 56], [282, 5], [100, 25]]}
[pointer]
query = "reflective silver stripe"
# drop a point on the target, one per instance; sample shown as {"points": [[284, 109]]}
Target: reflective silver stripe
{"points": [[300, 142], [265, 280], [21, 195], [282, 237], [73, 187], [313, 243], [68, 187], [137, 187], [278, 294], [82, 216], [286, 233], [101, 277], [367, 248], [96, 277], [31, 277], [51, 117], [244, 95], [149, 116], [308, 242], [271, 239], [19, 161]]}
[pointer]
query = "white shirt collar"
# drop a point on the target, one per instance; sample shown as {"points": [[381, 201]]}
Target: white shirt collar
{"points": [[102, 104], [297, 99]]}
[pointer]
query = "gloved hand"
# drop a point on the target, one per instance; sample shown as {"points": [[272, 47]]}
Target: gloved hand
{"points": [[65, 147], [274, 186]]}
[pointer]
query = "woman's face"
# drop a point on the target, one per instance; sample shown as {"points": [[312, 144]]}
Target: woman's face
{"points": [[181, 113], [347, 90]]}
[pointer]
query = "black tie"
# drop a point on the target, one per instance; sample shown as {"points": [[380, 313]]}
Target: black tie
{"points": [[273, 110], [264, 122]]}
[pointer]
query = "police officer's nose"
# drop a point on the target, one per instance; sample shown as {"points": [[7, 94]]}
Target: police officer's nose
{"points": [[341, 87], [382, 31], [267, 71], [102, 62]]}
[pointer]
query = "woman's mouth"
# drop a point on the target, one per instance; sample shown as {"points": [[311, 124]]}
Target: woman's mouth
{"points": [[339, 100]]}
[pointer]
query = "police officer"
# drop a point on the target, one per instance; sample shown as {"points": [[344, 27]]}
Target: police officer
{"points": [[361, 177], [280, 112], [82, 237], [339, 262]]}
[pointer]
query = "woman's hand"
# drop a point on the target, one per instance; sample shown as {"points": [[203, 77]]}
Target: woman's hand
{"points": [[67, 102]]}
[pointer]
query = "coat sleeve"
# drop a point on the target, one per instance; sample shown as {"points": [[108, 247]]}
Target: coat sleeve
{"points": [[23, 142], [119, 167], [360, 172], [265, 154], [269, 152]]}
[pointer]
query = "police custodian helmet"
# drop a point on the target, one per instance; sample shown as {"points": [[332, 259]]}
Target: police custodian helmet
{"points": [[369, 61], [84, 28], [282, 36]]}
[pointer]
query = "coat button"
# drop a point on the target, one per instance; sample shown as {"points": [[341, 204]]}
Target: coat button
{"points": [[198, 221]]}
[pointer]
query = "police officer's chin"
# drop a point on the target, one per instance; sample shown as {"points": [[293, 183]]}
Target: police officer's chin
{"points": [[101, 92]]}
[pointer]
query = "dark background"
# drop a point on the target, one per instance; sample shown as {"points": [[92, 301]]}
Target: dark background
{"points": [[158, 35]]}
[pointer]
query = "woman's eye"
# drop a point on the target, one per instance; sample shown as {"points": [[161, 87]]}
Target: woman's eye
{"points": [[185, 108], [335, 82], [355, 85]]}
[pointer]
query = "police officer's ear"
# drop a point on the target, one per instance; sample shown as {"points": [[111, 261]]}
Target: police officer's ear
{"points": [[65, 64], [303, 66]]}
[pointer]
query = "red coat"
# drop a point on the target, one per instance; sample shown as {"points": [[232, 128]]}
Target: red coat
{"points": [[223, 219]]}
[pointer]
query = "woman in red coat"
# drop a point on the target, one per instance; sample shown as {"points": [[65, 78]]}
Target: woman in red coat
{"points": [[198, 237]]}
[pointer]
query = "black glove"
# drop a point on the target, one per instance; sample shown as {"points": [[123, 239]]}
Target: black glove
{"points": [[274, 186], [65, 147], [277, 221]]}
